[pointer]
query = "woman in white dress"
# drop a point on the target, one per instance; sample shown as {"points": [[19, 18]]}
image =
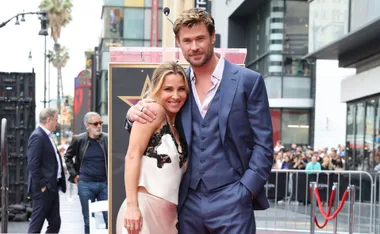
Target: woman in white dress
{"points": [[156, 159]]}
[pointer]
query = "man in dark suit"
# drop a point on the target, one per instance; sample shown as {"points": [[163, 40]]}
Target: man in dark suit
{"points": [[228, 129], [46, 174]]}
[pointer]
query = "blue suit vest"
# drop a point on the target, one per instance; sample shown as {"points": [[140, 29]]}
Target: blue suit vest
{"points": [[208, 161]]}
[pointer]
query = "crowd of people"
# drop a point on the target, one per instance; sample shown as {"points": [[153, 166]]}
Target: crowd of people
{"points": [[307, 158]]}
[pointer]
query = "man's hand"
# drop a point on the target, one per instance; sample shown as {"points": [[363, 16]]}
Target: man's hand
{"points": [[76, 179], [43, 189], [141, 112]]}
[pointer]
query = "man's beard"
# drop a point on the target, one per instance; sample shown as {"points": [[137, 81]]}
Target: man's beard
{"points": [[96, 133], [208, 55]]}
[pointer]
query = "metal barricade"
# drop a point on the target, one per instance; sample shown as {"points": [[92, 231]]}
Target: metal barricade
{"points": [[327, 216], [376, 204], [4, 176], [288, 192]]}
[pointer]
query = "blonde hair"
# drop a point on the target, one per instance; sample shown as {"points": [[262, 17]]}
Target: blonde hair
{"points": [[193, 16], [329, 165], [159, 75]]}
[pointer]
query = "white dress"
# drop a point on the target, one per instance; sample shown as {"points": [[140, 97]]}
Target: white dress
{"points": [[162, 167]]}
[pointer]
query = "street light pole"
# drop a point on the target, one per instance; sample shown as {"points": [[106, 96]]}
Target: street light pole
{"points": [[22, 19], [49, 61], [44, 32], [45, 55]]}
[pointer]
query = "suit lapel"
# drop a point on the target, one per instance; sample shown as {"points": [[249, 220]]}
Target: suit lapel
{"points": [[228, 87], [186, 116], [48, 139]]}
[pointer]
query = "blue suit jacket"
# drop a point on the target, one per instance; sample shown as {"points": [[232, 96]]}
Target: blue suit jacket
{"points": [[245, 130], [42, 163]]}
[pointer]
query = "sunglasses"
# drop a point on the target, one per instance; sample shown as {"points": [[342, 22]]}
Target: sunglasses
{"points": [[97, 123]]}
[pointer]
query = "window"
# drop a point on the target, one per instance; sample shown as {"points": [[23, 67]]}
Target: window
{"points": [[273, 86], [133, 43], [277, 20], [363, 134], [297, 87], [376, 151], [134, 23], [276, 41], [350, 137], [329, 22], [147, 22], [295, 126], [363, 12], [296, 24], [377, 127], [113, 22], [277, 30], [277, 9], [369, 133], [359, 135], [296, 67], [104, 93], [113, 2]]}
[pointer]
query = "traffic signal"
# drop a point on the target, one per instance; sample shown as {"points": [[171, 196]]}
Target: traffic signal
{"points": [[57, 131], [44, 23]]}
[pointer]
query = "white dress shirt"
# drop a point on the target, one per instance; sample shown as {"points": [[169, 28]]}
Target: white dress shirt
{"points": [[59, 171], [216, 78]]}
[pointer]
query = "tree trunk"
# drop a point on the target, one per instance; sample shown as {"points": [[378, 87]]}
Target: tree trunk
{"points": [[59, 101], [61, 86], [59, 91]]}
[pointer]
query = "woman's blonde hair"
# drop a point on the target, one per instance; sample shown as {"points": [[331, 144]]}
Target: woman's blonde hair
{"points": [[193, 16], [159, 75], [329, 165]]}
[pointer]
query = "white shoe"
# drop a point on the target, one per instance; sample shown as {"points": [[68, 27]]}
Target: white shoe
{"points": [[296, 203]]}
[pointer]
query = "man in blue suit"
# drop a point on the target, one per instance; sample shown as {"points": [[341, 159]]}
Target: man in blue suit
{"points": [[227, 124], [46, 174]]}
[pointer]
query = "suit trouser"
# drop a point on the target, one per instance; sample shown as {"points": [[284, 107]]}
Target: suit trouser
{"points": [[45, 206], [224, 210]]}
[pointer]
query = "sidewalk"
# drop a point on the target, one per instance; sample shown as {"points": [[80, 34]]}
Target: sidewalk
{"points": [[71, 215], [71, 212]]}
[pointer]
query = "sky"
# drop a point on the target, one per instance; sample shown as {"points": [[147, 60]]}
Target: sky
{"points": [[16, 41]]}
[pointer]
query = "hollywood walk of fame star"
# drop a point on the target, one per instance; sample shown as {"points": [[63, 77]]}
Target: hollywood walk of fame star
{"points": [[133, 100]]}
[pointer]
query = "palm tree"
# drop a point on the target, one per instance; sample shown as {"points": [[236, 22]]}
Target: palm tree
{"points": [[59, 61], [59, 14]]}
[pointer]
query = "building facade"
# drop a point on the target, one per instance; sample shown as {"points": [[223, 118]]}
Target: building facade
{"points": [[176, 7], [133, 23], [348, 31], [275, 33], [126, 23]]}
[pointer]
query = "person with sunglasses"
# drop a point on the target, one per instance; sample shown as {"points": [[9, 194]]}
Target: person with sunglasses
{"points": [[89, 169]]}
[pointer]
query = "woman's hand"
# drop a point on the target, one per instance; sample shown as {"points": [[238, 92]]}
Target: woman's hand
{"points": [[133, 219]]}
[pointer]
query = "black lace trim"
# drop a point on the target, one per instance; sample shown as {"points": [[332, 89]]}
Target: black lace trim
{"points": [[156, 141]]}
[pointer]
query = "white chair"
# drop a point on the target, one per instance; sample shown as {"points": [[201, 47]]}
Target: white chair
{"points": [[93, 207]]}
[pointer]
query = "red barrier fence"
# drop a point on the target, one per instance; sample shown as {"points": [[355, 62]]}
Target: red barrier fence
{"points": [[314, 194]]}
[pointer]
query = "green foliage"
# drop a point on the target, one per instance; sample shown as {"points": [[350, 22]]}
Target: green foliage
{"points": [[60, 59], [59, 14]]}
